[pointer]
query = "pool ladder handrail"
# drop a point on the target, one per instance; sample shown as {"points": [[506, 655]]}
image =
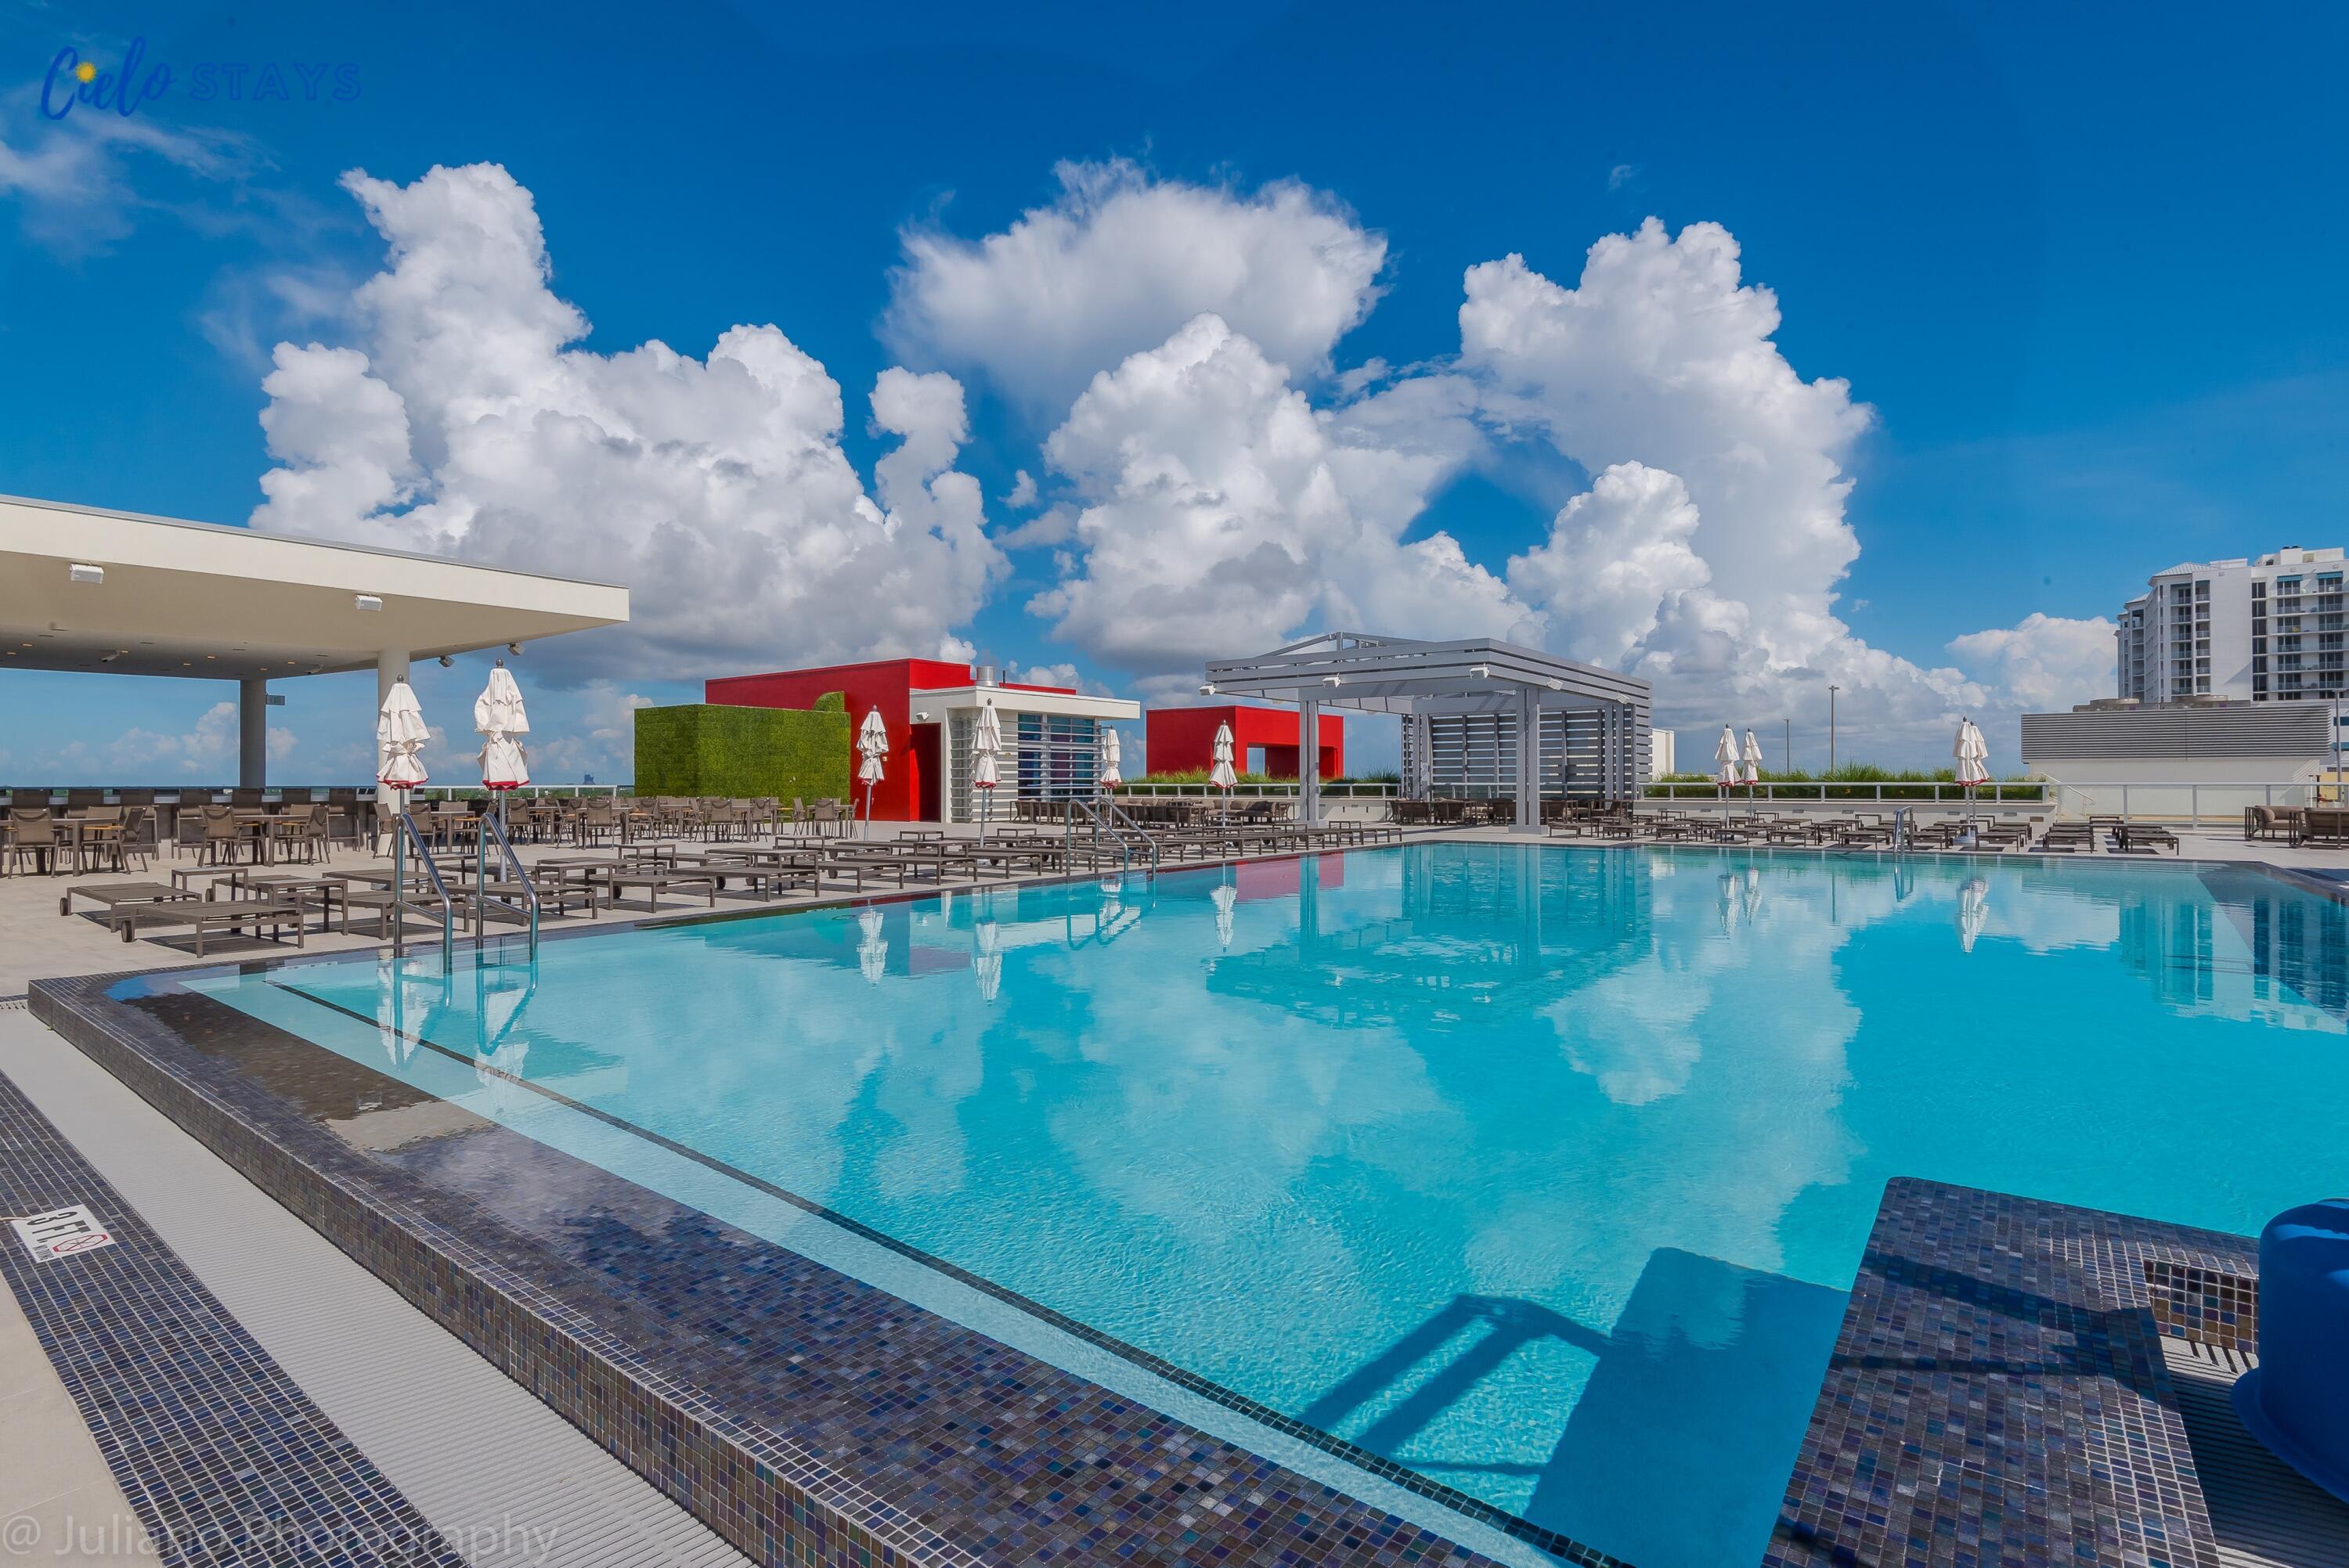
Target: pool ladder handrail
{"points": [[1076, 803], [492, 828], [404, 832], [1119, 814]]}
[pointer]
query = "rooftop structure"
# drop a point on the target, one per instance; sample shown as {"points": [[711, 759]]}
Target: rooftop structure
{"points": [[115, 592], [2264, 630], [1182, 739], [1426, 682], [2179, 743], [1051, 734]]}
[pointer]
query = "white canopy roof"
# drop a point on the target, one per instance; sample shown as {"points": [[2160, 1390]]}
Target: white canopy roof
{"points": [[1395, 675], [175, 598]]}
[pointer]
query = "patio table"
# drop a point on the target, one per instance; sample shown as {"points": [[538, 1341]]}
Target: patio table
{"points": [[185, 877], [325, 892], [87, 835]]}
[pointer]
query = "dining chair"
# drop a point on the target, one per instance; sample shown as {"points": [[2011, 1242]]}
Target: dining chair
{"points": [[32, 835]]}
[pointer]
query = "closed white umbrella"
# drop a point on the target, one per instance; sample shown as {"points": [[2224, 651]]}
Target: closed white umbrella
{"points": [[988, 963], [1973, 910], [1227, 897], [1752, 759], [1972, 752], [1221, 774], [872, 740], [1727, 759], [1725, 771], [1109, 777], [500, 707], [400, 733], [873, 953], [498, 717], [986, 747], [403, 1007]]}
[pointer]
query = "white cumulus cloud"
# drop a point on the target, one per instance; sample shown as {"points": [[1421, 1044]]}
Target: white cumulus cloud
{"points": [[1116, 262], [464, 422], [1615, 558], [1220, 515], [2046, 661]]}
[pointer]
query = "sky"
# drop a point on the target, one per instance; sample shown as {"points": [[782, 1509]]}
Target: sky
{"points": [[1752, 349]]}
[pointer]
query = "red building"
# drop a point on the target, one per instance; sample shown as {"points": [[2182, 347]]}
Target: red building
{"points": [[1181, 738], [929, 705]]}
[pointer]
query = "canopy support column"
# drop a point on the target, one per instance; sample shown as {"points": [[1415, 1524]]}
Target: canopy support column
{"points": [[1528, 812], [252, 732], [1309, 762]]}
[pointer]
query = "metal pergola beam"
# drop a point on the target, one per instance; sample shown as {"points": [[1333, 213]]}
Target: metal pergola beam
{"points": [[1420, 680]]}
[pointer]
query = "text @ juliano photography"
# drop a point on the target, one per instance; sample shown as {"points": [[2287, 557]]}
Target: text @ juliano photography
{"points": [[73, 1537]]}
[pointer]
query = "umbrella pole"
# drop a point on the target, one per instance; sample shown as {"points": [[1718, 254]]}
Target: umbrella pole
{"points": [[399, 873]]}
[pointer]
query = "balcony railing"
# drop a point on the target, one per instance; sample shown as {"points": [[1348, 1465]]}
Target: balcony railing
{"points": [[1898, 792]]}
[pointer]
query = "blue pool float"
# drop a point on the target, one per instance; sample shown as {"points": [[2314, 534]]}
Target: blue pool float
{"points": [[2296, 1400]]}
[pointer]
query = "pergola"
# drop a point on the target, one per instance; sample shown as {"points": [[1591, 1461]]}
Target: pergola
{"points": [[1419, 680], [118, 593]]}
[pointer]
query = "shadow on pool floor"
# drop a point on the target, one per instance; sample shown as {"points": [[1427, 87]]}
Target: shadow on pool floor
{"points": [[1677, 1453]]}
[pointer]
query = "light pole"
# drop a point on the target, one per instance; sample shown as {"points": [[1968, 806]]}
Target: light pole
{"points": [[1831, 728], [1790, 745]]}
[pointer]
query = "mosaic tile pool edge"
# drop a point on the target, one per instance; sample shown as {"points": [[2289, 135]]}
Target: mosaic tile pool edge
{"points": [[223, 1457], [1998, 1393], [784, 1507], [762, 1495]]}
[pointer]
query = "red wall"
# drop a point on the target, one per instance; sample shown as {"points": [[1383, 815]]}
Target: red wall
{"points": [[1179, 738], [909, 776]]}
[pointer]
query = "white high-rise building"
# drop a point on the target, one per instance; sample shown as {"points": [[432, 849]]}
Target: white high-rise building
{"points": [[2269, 630]]}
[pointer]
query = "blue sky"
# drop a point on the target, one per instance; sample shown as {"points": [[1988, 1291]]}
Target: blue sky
{"points": [[2081, 270]]}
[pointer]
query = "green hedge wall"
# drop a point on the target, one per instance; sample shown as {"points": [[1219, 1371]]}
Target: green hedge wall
{"points": [[713, 748]]}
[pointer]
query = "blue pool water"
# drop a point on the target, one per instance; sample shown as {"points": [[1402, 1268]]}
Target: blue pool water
{"points": [[1539, 1171]]}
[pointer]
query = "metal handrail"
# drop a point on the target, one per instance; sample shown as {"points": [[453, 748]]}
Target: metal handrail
{"points": [[1118, 814], [2230, 797], [1124, 849], [404, 832], [493, 828], [1928, 791]]}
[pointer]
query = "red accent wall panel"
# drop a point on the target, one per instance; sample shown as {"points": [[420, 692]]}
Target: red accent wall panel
{"points": [[882, 684], [1179, 738], [911, 781]]}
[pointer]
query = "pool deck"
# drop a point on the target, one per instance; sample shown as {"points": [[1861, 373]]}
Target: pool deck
{"points": [[1998, 1395], [36, 940]]}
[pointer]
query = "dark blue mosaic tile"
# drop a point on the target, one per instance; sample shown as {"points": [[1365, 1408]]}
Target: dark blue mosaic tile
{"points": [[223, 1457], [1998, 1394], [806, 1416]]}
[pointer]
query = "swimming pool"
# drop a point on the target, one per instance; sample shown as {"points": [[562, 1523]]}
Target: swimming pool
{"points": [[1539, 1172]]}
